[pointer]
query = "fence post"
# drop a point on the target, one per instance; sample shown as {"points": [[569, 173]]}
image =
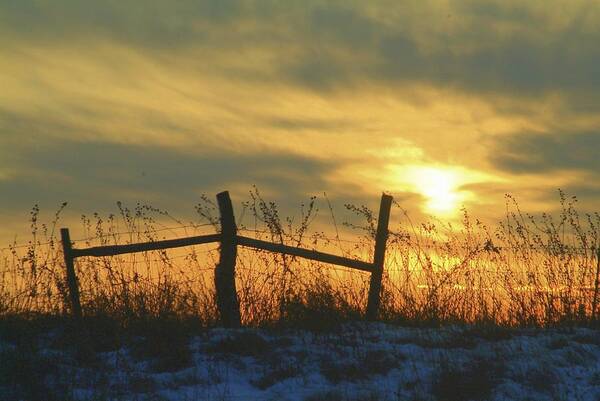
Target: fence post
{"points": [[227, 301], [379, 257], [72, 283]]}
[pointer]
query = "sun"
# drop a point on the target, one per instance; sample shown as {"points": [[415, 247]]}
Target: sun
{"points": [[439, 188]]}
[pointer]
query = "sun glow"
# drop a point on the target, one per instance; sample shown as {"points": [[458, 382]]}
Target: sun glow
{"points": [[441, 186], [440, 189]]}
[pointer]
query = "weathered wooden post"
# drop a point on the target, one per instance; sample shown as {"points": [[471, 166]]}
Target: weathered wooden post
{"points": [[227, 300], [379, 257], [72, 283]]}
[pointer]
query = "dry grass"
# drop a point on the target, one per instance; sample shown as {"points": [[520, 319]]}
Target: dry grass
{"points": [[525, 271]]}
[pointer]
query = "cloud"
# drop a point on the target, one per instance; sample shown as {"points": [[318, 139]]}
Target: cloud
{"points": [[479, 48], [154, 100], [547, 153], [153, 24], [100, 173]]}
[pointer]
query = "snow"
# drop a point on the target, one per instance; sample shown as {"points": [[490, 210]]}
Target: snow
{"points": [[361, 361]]}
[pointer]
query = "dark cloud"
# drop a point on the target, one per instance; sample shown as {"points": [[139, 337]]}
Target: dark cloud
{"points": [[340, 24], [103, 172], [319, 71], [502, 11], [149, 23], [478, 58], [325, 45], [541, 153]]}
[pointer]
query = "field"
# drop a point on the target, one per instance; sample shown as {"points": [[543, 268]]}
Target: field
{"points": [[468, 311], [359, 361]]}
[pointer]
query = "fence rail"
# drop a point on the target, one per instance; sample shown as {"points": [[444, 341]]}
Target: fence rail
{"points": [[112, 250], [305, 253], [226, 294]]}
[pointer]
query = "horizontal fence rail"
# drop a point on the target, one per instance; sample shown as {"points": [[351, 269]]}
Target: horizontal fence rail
{"points": [[226, 295], [113, 250], [304, 253]]}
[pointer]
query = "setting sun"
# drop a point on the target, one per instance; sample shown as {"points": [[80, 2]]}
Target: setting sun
{"points": [[439, 187]]}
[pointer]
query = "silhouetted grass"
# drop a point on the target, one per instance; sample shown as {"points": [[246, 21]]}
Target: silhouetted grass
{"points": [[526, 271]]}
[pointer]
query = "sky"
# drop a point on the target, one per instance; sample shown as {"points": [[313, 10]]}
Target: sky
{"points": [[443, 104]]}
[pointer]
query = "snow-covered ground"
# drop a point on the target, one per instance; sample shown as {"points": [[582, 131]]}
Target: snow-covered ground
{"points": [[357, 362]]}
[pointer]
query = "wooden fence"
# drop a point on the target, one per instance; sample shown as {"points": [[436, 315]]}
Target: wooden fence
{"points": [[226, 295]]}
